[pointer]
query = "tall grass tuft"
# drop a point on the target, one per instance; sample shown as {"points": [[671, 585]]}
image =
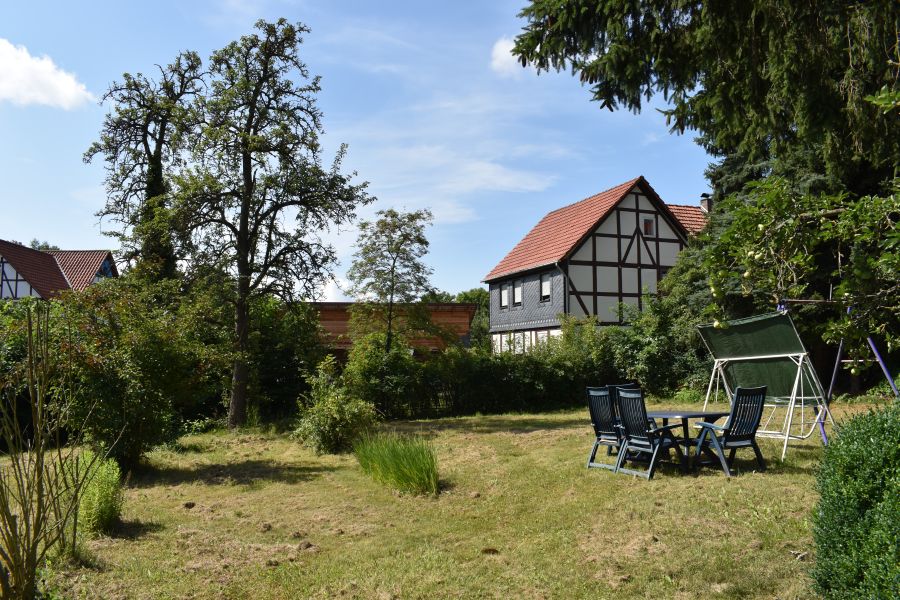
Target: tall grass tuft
{"points": [[404, 463], [102, 497]]}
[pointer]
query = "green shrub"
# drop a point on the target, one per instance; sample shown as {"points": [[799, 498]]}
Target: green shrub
{"points": [[102, 497], [134, 362], [330, 420], [855, 525], [391, 381], [404, 463]]}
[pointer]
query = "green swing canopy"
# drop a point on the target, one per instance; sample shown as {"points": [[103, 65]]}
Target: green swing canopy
{"points": [[761, 350]]}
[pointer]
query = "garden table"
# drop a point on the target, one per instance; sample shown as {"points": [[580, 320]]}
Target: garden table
{"points": [[667, 415]]}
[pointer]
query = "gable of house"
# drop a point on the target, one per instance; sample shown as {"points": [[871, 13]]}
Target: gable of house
{"points": [[597, 253]]}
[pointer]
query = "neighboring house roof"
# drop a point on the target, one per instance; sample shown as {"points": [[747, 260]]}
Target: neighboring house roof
{"points": [[55, 271], [39, 268], [693, 218], [560, 231], [81, 266]]}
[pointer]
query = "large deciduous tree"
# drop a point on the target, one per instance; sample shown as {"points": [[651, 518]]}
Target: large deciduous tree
{"points": [[255, 195], [228, 162], [141, 141], [387, 269]]}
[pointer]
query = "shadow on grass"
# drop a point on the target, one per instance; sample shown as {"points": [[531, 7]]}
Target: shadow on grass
{"points": [[489, 424], [246, 472], [132, 530]]}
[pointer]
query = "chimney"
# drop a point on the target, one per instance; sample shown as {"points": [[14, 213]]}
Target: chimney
{"points": [[706, 202]]}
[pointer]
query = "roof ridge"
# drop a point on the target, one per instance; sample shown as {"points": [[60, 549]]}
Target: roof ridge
{"points": [[592, 196]]}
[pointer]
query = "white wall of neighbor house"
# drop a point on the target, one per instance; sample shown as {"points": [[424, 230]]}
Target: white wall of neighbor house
{"points": [[622, 259], [522, 341], [13, 285]]}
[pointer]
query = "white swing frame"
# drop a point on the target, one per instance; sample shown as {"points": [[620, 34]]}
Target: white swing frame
{"points": [[814, 403]]}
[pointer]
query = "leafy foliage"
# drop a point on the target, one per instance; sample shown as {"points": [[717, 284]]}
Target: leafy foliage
{"points": [[142, 141], [855, 524], [387, 271], [388, 379], [781, 243], [135, 364], [227, 161], [284, 347], [479, 331], [759, 80], [406, 464], [330, 420]]}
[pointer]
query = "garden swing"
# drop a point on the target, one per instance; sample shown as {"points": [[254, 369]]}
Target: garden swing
{"points": [[766, 350]]}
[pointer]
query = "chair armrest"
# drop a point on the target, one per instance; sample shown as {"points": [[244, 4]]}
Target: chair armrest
{"points": [[667, 427], [710, 425]]}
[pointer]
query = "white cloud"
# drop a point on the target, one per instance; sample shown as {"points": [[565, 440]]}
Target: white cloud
{"points": [[334, 290], [27, 79], [502, 60]]}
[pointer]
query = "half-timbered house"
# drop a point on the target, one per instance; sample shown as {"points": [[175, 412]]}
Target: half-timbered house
{"points": [[26, 272], [586, 259]]}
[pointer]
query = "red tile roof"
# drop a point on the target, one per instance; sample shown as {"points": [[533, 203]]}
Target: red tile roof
{"points": [[560, 231], [39, 268], [80, 266], [55, 271], [693, 218]]}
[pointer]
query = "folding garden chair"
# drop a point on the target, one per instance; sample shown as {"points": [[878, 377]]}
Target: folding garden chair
{"points": [[739, 431], [642, 436], [602, 408]]}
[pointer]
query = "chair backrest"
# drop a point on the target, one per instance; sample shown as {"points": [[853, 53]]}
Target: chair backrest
{"points": [[614, 392], [603, 412], [746, 412], [633, 413]]}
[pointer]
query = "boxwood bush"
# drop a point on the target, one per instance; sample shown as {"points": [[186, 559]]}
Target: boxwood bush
{"points": [[856, 525]]}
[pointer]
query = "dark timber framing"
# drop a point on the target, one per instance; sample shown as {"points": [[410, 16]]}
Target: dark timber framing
{"points": [[593, 278]]}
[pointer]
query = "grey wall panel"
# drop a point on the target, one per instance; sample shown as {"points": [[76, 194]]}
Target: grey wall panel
{"points": [[533, 312]]}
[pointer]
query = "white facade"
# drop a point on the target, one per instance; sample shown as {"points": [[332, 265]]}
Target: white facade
{"points": [[13, 285]]}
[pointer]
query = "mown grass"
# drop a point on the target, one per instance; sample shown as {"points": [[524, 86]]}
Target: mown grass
{"points": [[404, 463], [256, 515]]}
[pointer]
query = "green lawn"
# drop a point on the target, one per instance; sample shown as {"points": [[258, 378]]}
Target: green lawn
{"points": [[254, 515]]}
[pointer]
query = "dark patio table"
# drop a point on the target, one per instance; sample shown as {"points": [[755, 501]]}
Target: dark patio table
{"points": [[666, 415]]}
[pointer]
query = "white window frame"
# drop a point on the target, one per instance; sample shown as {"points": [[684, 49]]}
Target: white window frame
{"points": [[548, 280], [504, 295], [652, 223], [517, 291]]}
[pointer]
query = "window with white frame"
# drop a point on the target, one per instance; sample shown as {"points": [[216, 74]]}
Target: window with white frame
{"points": [[545, 287], [517, 292], [504, 295], [649, 227]]}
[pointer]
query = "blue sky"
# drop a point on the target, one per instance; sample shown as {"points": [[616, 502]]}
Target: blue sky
{"points": [[434, 110]]}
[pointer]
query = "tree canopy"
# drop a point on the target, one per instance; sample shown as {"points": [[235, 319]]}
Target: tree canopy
{"points": [[234, 151], [387, 268], [762, 81]]}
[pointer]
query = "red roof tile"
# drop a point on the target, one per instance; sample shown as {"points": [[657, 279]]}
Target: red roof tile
{"points": [[555, 235], [692, 218], [80, 266], [560, 231], [39, 268]]}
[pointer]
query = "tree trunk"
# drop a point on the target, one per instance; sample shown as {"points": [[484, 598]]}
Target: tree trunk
{"points": [[390, 327], [237, 409]]}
